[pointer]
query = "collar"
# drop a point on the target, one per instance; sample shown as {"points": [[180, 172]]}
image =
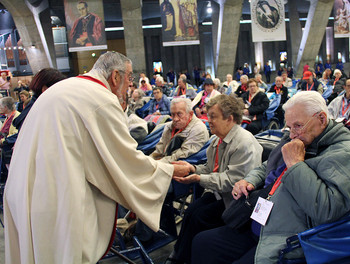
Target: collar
{"points": [[94, 74], [230, 135]]}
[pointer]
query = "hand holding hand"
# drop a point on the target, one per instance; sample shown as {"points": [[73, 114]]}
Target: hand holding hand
{"points": [[293, 152], [185, 163], [242, 187], [180, 170], [189, 179]]}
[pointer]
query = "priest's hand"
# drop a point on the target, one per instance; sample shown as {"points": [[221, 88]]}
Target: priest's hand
{"points": [[188, 179], [185, 163], [180, 170]]}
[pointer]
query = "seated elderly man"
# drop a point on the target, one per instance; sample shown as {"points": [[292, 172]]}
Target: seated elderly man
{"points": [[310, 83], [230, 156], [279, 88], [339, 108], [160, 104], [182, 137], [313, 187], [184, 89]]}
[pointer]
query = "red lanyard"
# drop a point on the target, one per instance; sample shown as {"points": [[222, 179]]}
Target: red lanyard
{"points": [[181, 91], [277, 183], [336, 79], [8, 118], [250, 98], [307, 87], [216, 166], [342, 108], [173, 134], [277, 90], [86, 77]]}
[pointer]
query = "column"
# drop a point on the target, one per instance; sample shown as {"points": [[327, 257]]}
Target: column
{"points": [[133, 33], [313, 34], [227, 37]]}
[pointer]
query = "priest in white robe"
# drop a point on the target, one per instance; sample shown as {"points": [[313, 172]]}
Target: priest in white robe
{"points": [[74, 161]]}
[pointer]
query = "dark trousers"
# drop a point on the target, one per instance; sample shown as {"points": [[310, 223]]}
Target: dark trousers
{"points": [[254, 127], [203, 214], [224, 245]]}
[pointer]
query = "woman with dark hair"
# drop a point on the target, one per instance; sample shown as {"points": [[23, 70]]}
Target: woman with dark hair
{"points": [[41, 81]]}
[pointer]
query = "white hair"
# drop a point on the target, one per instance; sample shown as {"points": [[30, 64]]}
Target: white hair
{"points": [[186, 101], [216, 81], [245, 77], [337, 71], [160, 79], [109, 62], [311, 101]]}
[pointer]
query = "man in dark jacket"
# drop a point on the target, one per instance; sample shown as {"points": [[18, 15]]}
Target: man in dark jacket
{"points": [[314, 188]]}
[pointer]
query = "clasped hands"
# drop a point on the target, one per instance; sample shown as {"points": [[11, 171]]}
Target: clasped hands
{"points": [[182, 169], [292, 152]]}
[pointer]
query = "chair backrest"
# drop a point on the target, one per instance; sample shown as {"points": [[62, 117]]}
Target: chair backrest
{"points": [[148, 145]]}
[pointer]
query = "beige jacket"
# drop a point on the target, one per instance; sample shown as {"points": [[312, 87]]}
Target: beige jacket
{"points": [[195, 134]]}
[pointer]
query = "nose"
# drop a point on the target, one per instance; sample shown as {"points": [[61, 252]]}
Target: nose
{"points": [[292, 134]]}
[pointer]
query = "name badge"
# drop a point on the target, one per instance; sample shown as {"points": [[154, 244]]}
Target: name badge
{"points": [[262, 211]]}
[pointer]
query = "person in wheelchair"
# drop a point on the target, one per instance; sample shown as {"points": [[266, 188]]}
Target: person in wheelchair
{"points": [[279, 88], [232, 154], [312, 187], [256, 102], [182, 137]]}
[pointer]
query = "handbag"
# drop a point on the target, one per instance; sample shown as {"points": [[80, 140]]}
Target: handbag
{"points": [[239, 211], [327, 243]]}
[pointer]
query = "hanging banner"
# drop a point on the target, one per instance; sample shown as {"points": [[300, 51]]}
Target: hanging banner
{"points": [[179, 22], [85, 29], [268, 20], [341, 18]]}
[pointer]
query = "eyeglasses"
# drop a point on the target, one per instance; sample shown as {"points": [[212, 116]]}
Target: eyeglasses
{"points": [[297, 129]]}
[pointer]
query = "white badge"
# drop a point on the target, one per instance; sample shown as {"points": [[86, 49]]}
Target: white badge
{"points": [[262, 211], [339, 119]]}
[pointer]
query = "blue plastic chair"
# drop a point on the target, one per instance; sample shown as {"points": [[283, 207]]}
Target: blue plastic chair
{"points": [[148, 145]]}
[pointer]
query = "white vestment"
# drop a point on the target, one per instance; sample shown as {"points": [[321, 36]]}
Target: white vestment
{"points": [[74, 160]]}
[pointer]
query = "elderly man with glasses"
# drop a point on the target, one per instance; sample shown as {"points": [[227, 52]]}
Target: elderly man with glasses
{"points": [[311, 165]]}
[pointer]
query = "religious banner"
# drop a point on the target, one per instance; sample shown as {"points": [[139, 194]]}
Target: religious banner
{"points": [[268, 20], [85, 29], [341, 18], [179, 22]]}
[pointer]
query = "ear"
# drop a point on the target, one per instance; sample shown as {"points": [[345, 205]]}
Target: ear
{"points": [[323, 119], [115, 78]]}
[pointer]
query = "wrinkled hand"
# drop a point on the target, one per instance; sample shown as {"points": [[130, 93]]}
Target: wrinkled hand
{"points": [[241, 187], [180, 170], [293, 152], [185, 163], [189, 179]]}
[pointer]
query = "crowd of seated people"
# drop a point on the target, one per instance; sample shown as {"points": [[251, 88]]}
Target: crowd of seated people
{"points": [[234, 156]]}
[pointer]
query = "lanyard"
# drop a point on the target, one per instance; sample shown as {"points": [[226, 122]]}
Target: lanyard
{"points": [[277, 184], [336, 79], [181, 91], [86, 77], [250, 98], [8, 118], [342, 108], [307, 87], [216, 166], [277, 90], [173, 134]]}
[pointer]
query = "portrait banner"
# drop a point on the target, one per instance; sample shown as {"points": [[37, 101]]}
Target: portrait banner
{"points": [[179, 22], [85, 25], [341, 18], [268, 20]]}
